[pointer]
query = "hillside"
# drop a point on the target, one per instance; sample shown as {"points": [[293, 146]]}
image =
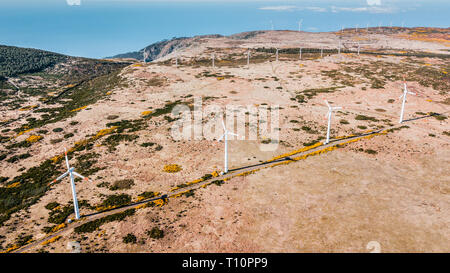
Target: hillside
{"points": [[287, 190]]}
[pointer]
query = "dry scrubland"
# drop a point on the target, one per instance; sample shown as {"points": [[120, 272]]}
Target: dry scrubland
{"points": [[391, 188]]}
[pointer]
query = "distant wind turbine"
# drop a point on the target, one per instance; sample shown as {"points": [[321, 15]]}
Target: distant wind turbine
{"points": [[300, 25], [146, 55]]}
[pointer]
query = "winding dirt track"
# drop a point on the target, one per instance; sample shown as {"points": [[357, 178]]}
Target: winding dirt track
{"points": [[231, 174]]}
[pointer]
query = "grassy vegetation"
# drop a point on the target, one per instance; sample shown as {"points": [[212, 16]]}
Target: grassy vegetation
{"points": [[94, 225], [305, 95], [155, 233], [122, 184]]}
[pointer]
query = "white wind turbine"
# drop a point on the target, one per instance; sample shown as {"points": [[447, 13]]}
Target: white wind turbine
{"points": [[300, 25], [225, 137], [405, 92], [271, 24], [276, 55], [248, 58], [330, 111], [321, 52], [213, 57], [146, 54], [300, 54], [71, 172]]}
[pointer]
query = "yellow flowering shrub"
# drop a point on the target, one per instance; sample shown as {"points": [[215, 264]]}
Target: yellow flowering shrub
{"points": [[13, 185], [33, 139], [49, 241], [172, 168], [78, 109], [146, 113]]}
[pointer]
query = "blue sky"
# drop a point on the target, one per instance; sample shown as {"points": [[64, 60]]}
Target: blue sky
{"points": [[99, 28]]}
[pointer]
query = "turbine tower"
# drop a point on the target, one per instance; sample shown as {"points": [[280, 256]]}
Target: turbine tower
{"points": [[276, 55], [225, 137], [248, 58], [405, 92], [271, 24], [300, 25], [300, 55], [71, 172], [213, 57], [330, 111], [146, 54]]}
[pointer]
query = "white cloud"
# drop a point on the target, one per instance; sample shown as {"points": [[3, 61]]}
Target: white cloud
{"points": [[373, 2], [279, 8], [371, 9], [292, 8], [73, 2]]}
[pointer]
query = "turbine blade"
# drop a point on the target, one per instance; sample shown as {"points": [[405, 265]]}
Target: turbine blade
{"points": [[327, 103], [80, 176], [411, 93], [67, 160], [233, 134], [220, 139], [223, 125], [61, 177]]}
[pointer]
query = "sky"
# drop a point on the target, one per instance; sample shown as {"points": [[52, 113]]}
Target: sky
{"points": [[101, 28]]}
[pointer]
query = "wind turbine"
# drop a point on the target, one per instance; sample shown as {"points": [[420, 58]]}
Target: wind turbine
{"points": [[367, 27], [225, 137], [276, 54], [321, 52], [248, 58], [330, 111], [146, 54], [300, 25], [356, 29], [300, 54], [271, 24], [213, 57], [405, 92], [71, 172], [359, 46]]}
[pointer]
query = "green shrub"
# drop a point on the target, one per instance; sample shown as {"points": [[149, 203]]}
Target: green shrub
{"points": [[129, 239], [122, 184], [155, 233], [94, 225], [52, 205]]}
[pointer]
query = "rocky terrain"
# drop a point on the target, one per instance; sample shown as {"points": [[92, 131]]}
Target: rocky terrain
{"points": [[115, 117]]}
